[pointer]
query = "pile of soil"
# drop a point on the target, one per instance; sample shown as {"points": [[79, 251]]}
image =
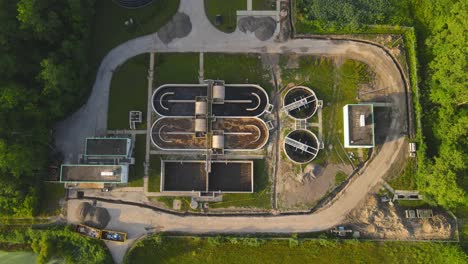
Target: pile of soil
{"points": [[93, 216], [375, 219], [263, 27], [179, 27]]}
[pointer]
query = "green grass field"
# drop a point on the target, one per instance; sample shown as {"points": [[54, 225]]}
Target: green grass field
{"points": [[109, 28], [251, 250], [227, 10], [237, 68], [176, 68], [261, 198], [128, 91], [154, 179], [137, 171]]}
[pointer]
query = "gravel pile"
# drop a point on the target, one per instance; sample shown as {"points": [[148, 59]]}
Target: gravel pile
{"points": [[93, 216], [263, 27], [179, 27]]}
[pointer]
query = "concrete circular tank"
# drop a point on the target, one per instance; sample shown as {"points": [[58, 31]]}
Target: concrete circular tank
{"points": [[300, 102], [301, 146]]}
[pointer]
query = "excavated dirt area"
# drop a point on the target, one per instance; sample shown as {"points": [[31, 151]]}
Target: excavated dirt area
{"points": [[378, 220], [179, 27], [262, 27], [302, 190]]}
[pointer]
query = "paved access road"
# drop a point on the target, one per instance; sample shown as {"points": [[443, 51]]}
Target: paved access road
{"points": [[91, 120]]}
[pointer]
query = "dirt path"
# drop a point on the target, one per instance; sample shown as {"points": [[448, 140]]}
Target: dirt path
{"points": [[91, 120]]}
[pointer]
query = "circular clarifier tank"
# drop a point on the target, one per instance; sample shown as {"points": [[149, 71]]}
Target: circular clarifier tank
{"points": [[300, 102], [301, 146]]}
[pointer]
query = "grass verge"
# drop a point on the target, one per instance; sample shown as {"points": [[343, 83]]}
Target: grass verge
{"points": [[128, 91], [169, 202], [154, 180], [137, 171], [290, 250]]}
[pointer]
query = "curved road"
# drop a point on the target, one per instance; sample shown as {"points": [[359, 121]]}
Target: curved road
{"points": [[91, 120]]}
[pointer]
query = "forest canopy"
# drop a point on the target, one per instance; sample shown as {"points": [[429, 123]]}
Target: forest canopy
{"points": [[44, 72]]}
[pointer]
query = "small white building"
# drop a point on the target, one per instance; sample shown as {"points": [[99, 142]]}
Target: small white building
{"points": [[358, 120]]}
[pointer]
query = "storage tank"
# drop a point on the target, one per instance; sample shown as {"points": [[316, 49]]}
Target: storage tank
{"points": [[219, 92], [201, 108], [200, 125]]}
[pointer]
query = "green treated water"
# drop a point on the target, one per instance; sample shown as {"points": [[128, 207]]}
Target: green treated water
{"points": [[20, 257]]}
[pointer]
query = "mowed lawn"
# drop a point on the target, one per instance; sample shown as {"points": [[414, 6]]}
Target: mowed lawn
{"points": [[289, 251], [237, 68], [128, 91], [176, 68], [110, 29]]}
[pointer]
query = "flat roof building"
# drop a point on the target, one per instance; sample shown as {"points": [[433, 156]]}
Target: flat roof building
{"points": [[106, 160], [358, 120], [89, 173]]}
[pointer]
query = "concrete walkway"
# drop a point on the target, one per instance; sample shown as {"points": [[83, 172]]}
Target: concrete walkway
{"points": [[91, 120]]}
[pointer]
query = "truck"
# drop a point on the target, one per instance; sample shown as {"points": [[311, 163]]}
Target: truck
{"points": [[110, 235], [88, 231]]}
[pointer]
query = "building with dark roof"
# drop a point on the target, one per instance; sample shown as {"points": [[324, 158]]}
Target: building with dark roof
{"points": [[358, 120]]}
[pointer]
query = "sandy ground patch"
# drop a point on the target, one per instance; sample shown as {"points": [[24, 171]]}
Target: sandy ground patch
{"points": [[375, 219]]}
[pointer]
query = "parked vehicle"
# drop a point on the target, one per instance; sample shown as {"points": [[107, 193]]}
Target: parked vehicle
{"points": [[88, 231], [113, 236]]}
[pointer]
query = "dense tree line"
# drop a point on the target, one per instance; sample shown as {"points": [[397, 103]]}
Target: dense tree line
{"points": [[62, 244], [44, 46], [441, 27]]}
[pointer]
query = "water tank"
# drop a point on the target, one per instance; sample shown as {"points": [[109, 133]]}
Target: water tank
{"points": [[201, 108], [218, 141], [200, 125], [219, 92]]}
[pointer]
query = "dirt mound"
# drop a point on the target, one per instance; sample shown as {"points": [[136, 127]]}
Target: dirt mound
{"points": [[93, 216], [263, 27], [179, 27], [382, 220]]}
